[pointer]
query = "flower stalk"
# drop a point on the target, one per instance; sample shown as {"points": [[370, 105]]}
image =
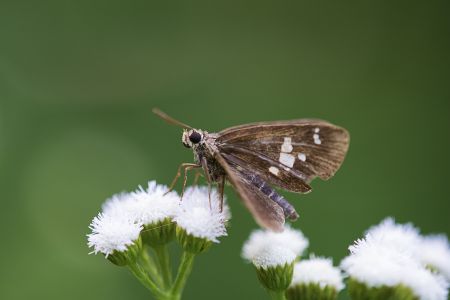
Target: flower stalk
{"points": [[141, 275], [184, 270], [164, 264], [277, 295], [150, 266]]}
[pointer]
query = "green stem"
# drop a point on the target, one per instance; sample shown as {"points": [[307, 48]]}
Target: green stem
{"points": [[142, 276], [185, 268], [164, 263], [277, 295], [149, 265]]}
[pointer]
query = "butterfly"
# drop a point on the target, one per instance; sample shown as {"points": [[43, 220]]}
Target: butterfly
{"points": [[254, 158]]}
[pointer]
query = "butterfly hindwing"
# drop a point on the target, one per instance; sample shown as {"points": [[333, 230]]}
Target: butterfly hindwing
{"points": [[266, 212]]}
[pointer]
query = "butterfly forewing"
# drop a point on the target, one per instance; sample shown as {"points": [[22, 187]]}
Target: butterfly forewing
{"points": [[288, 154], [288, 179]]}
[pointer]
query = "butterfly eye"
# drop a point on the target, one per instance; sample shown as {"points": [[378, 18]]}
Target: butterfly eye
{"points": [[195, 137]]}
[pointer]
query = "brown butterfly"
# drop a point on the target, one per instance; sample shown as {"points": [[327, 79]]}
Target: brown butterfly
{"points": [[252, 157]]}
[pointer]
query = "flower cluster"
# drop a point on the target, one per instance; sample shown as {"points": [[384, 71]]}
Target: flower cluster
{"points": [[134, 228], [394, 260]]}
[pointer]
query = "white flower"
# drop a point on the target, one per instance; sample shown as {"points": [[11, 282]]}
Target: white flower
{"points": [[435, 252], [402, 237], [259, 240], [144, 206], [112, 233], [275, 267], [318, 270], [118, 204], [200, 220], [274, 256], [427, 285], [154, 205], [377, 264]]}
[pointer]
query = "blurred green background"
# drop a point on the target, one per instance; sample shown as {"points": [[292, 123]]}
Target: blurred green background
{"points": [[78, 80]]}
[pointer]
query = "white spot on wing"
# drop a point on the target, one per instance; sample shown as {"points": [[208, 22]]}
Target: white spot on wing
{"points": [[274, 171], [302, 156], [316, 130], [287, 159], [287, 145], [316, 138]]}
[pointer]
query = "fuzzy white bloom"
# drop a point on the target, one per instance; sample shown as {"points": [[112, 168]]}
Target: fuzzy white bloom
{"points": [[259, 240], [273, 256], [112, 233], [118, 204], [198, 218], [377, 264], [154, 205], [318, 270], [144, 206], [435, 252], [427, 285], [402, 237]]}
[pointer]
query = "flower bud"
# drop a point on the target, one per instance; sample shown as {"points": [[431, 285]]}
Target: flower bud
{"points": [[274, 267], [128, 256], [199, 224], [315, 278], [116, 237], [153, 207], [191, 243], [359, 290], [159, 233]]}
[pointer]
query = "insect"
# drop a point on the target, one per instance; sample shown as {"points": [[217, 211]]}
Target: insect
{"points": [[255, 157]]}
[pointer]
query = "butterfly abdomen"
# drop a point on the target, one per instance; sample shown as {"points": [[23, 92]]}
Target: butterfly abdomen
{"points": [[271, 193]]}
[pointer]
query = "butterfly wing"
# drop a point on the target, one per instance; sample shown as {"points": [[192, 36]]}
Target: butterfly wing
{"points": [[288, 154], [266, 212]]}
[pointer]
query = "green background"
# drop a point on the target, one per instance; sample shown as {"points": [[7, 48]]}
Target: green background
{"points": [[78, 80]]}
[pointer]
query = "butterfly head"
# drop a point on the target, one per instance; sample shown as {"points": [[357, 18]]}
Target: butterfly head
{"points": [[192, 137]]}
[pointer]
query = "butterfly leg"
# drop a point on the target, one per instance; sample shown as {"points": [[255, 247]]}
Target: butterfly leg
{"points": [[197, 175], [186, 169], [208, 178], [221, 186], [175, 179]]}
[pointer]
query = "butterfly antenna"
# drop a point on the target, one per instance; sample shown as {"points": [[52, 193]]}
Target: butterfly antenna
{"points": [[169, 119]]}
